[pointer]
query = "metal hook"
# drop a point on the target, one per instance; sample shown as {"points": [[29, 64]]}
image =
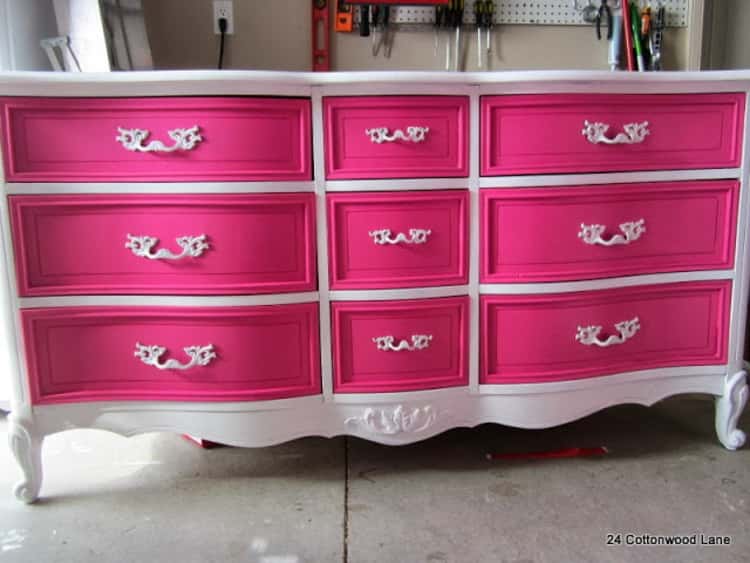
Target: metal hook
{"points": [[577, 7]]}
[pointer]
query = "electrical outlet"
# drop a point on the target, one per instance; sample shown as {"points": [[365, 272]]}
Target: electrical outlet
{"points": [[223, 9]]}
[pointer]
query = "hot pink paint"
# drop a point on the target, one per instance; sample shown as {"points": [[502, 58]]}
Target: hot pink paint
{"points": [[541, 134], [531, 235], [350, 154], [74, 139], [75, 244], [87, 353], [356, 262], [531, 338], [359, 367]]}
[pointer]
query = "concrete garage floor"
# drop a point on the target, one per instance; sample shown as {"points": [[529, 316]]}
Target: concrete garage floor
{"points": [[160, 498]]}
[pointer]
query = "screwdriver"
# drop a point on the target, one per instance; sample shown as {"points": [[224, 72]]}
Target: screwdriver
{"points": [[457, 22], [364, 21], [635, 28], [387, 35], [440, 14], [448, 21], [377, 34], [489, 18], [479, 22]]}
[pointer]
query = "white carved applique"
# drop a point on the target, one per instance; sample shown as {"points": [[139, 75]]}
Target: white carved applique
{"points": [[390, 421]]}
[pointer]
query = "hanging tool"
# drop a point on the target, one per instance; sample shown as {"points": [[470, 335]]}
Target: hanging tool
{"points": [[382, 35], [628, 31], [646, 35], [604, 13], [387, 32], [377, 36], [437, 26], [489, 18], [344, 17], [320, 36], [458, 20], [446, 22], [636, 31], [657, 37], [479, 22], [589, 12], [615, 46], [646, 20], [364, 21]]}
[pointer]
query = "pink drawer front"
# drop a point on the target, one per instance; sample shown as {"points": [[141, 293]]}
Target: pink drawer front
{"points": [[563, 133], [396, 137], [555, 234], [537, 338], [88, 140], [96, 244], [389, 346], [110, 353], [398, 239]]}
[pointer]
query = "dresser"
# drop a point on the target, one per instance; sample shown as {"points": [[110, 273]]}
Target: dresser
{"points": [[252, 257]]}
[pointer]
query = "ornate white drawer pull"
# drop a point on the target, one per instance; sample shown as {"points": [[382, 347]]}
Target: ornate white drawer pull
{"points": [[390, 421], [631, 231], [199, 356], [142, 246], [184, 140], [414, 134], [633, 133], [416, 236], [418, 342], [589, 335]]}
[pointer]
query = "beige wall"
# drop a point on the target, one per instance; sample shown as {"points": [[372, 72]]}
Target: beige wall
{"points": [[729, 41], [275, 34]]}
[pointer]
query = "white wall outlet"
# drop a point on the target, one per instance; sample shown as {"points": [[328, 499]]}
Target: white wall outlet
{"points": [[223, 9]]}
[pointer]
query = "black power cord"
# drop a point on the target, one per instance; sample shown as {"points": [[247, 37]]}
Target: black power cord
{"points": [[223, 30]]}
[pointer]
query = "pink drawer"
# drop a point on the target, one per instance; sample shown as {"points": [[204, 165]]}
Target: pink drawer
{"points": [[105, 353], [78, 139], [398, 239], [542, 134], [262, 243], [389, 346], [536, 338], [396, 137], [555, 234]]}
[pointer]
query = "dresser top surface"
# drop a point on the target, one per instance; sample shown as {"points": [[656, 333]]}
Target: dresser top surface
{"points": [[248, 82]]}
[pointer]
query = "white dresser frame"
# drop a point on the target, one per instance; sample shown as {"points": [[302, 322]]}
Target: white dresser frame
{"points": [[389, 418]]}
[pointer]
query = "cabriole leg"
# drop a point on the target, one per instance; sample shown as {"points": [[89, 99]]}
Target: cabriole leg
{"points": [[27, 449], [728, 410]]}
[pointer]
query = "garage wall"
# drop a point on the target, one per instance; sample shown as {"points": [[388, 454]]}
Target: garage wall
{"points": [[727, 45], [276, 35]]}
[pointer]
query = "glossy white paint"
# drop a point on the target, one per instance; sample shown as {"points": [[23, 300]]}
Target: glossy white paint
{"points": [[389, 418]]}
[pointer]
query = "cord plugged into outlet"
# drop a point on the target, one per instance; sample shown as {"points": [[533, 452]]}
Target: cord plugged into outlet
{"points": [[223, 17], [223, 25]]}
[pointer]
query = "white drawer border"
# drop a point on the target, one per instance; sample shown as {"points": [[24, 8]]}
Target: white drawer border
{"points": [[53, 188], [168, 300]]}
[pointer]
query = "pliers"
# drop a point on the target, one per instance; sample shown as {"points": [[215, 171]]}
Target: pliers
{"points": [[382, 35], [604, 12]]}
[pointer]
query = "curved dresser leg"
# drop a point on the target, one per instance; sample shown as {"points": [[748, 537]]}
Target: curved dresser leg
{"points": [[728, 410], [27, 449]]}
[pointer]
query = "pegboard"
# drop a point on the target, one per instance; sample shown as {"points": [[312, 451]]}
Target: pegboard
{"points": [[540, 12]]}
